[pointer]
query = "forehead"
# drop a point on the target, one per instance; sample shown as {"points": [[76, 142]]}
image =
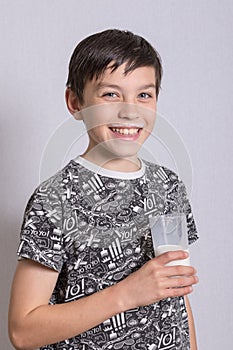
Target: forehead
{"points": [[120, 76]]}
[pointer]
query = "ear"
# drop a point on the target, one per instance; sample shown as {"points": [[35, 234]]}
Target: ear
{"points": [[73, 104]]}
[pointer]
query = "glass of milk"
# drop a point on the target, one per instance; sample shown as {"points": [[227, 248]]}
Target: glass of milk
{"points": [[169, 233]]}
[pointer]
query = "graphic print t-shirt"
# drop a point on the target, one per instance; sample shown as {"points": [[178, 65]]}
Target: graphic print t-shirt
{"points": [[92, 226]]}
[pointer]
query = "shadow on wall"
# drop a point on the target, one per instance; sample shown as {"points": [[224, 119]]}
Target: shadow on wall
{"points": [[14, 188], [8, 259]]}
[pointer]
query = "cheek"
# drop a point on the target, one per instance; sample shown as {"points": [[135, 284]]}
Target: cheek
{"points": [[150, 125], [98, 133], [96, 116], [144, 137]]}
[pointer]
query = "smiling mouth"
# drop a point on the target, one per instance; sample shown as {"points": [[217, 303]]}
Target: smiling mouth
{"points": [[129, 131]]}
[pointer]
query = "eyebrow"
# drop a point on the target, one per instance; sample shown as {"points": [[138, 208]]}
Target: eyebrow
{"points": [[105, 85], [113, 86]]}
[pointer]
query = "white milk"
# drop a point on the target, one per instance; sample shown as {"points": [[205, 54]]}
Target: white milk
{"points": [[170, 248]]}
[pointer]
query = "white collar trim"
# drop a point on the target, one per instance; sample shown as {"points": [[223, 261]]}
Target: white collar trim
{"points": [[111, 173]]}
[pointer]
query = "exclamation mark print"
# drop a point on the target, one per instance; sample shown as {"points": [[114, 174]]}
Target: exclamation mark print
{"points": [[118, 321], [123, 320], [82, 286], [119, 248], [98, 188], [114, 323], [92, 185], [111, 253], [100, 182], [67, 193], [163, 176], [115, 250]]}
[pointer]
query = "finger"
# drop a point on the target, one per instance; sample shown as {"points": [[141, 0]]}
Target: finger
{"points": [[167, 257], [180, 282], [178, 292], [179, 270]]}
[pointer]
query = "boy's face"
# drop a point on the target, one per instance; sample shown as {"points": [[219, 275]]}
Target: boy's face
{"points": [[119, 112]]}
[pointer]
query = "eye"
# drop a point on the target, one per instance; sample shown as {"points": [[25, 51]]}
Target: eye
{"points": [[110, 94], [144, 95]]}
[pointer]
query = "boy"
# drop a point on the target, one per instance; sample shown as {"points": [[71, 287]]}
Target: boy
{"points": [[87, 277]]}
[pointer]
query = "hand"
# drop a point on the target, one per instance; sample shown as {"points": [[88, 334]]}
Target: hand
{"points": [[155, 281]]}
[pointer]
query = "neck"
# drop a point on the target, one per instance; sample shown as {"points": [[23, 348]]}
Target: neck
{"points": [[113, 162]]}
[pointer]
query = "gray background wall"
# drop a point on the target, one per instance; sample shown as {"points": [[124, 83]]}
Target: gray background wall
{"points": [[194, 39]]}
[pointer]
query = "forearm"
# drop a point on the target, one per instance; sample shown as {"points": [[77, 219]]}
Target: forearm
{"points": [[33, 323], [193, 341], [48, 324]]}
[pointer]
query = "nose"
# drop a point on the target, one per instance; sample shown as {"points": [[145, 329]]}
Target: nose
{"points": [[129, 111]]}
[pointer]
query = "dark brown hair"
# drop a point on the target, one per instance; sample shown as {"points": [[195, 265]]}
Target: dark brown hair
{"points": [[93, 55]]}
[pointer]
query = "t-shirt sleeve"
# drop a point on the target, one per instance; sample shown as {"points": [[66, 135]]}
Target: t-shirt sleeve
{"points": [[177, 201], [187, 209], [41, 232]]}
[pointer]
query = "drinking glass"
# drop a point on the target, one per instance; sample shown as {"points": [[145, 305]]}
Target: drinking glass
{"points": [[169, 233]]}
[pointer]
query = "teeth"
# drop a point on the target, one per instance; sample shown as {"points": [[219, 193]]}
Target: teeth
{"points": [[130, 131]]}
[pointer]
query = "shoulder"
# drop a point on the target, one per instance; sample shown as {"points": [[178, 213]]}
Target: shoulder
{"points": [[167, 182], [161, 172], [60, 178], [52, 189]]}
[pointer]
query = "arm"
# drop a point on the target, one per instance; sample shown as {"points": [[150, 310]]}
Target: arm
{"points": [[193, 342], [34, 323]]}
